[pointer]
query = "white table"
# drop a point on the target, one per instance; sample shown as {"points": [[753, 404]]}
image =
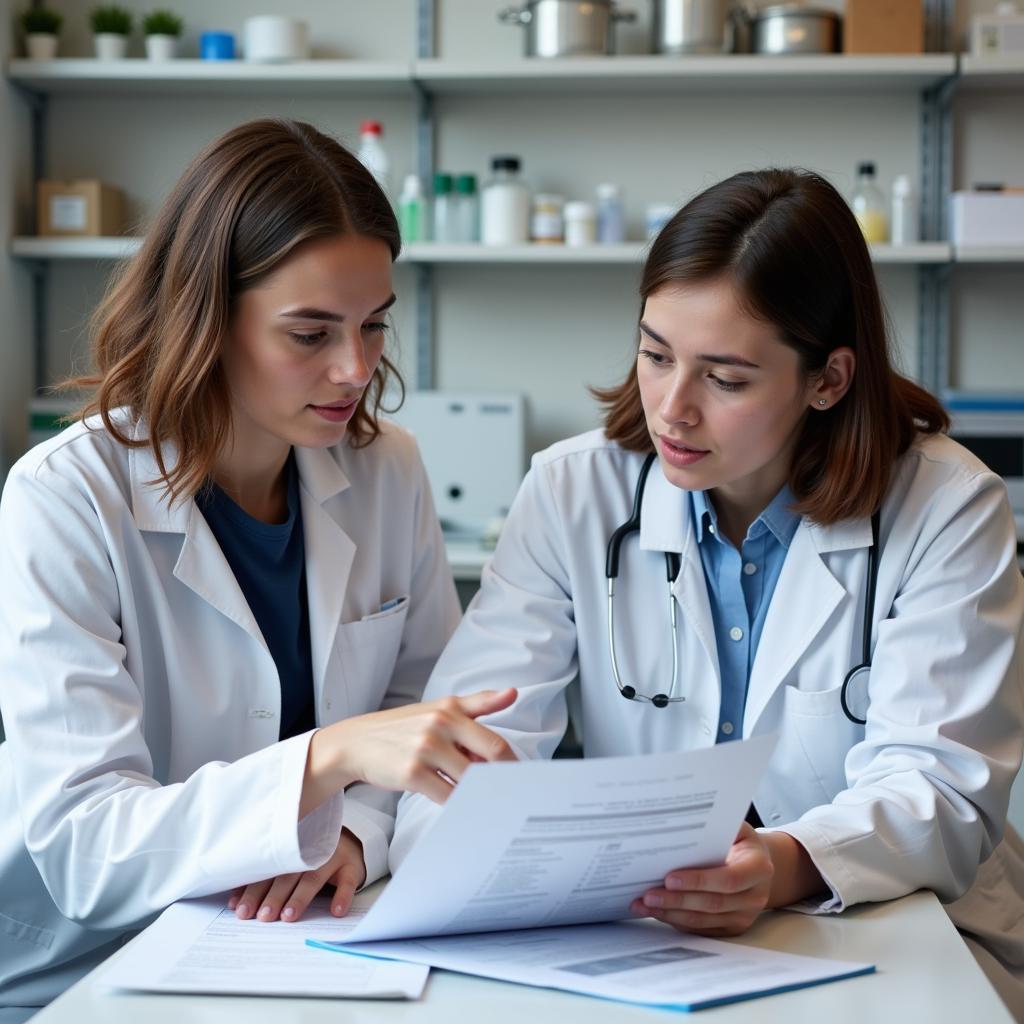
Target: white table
{"points": [[924, 973]]}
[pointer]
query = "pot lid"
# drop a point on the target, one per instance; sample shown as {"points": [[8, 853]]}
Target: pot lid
{"points": [[795, 10]]}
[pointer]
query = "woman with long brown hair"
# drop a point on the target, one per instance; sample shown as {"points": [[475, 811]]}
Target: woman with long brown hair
{"points": [[223, 588], [812, 518]]}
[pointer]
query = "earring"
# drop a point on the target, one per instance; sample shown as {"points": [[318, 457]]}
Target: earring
{"points": [[822, 402]]}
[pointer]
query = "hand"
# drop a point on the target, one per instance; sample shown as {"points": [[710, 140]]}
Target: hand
{"points": [[719, 901], [287, 896], [422, 748]]}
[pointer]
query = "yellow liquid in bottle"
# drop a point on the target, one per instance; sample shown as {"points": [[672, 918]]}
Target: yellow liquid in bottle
{"points": [[874, 225]]}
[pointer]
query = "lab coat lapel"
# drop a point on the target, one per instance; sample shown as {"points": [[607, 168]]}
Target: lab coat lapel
{"points": [[805, 598], [330, 552], [666, 525], [201, 564]]}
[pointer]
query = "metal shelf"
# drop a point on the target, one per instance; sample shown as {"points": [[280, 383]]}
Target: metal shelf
{"points": [[989, 254], [230, 77], [990, 74], [627, 254], [827, 73], [430, 253], [695, 74], [75, 248]]}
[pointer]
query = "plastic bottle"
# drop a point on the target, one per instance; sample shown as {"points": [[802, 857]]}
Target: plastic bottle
{"points": [[611, 215], [505, 205], [547, 225], [656, 216], [903, 223], [372, 154], [868, 205], [467, 209], [412, 210], [444, 209], [580, 223]]}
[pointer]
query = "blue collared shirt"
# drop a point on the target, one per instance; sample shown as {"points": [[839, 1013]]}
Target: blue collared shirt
{"points": [[740, 587]]}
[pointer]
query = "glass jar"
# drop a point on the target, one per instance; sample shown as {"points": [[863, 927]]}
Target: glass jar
{"points": [[868, 205]]}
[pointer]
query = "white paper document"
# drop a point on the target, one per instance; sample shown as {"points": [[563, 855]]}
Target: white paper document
{"points": [[200, 946], [638, 963], [543, 843]]}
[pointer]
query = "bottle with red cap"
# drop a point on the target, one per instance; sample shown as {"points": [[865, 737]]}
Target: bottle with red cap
{"points": [[372, 154]]}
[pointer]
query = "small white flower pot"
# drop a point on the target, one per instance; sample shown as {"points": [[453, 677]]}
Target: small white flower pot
{"points": [[161, 47], [41, 46], [110, 45]]}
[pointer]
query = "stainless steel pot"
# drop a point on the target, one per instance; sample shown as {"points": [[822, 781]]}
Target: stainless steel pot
{"points": [[795, 28], [567, 28], [693, 26]]}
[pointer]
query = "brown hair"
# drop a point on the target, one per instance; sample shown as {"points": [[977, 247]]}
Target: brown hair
{"points": [[239, 209], [791, 247]]}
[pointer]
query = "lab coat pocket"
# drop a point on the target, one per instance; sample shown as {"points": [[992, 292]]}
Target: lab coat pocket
{"points": [[824, 733], [364, 659], [28, 933]]}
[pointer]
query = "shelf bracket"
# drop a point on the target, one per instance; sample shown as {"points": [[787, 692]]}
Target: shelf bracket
{"points": [[426, 29], [40, 271], [426, 128], [933, 327], [425, 350]]}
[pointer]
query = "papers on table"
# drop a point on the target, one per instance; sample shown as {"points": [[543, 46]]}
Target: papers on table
{"points": [[200, 946], [542, 843], [638, 963]]}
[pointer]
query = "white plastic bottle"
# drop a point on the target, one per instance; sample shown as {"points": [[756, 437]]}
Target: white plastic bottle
{"points": [[412, 211], [903, 225], [611, 215], [580, 223], [868, 205], [505, 205], [372, 154]]}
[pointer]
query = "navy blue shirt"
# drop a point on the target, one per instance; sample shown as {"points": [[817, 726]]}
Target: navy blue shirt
{"points": [[269, 562], [740, 587]]}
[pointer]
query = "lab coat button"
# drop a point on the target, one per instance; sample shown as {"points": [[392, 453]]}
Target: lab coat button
{"points": [[775, 816], [736, 633], [327, 705], [750, 568]]}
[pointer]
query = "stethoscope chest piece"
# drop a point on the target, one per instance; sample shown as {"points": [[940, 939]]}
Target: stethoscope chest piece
{"points": [[853, 696]]}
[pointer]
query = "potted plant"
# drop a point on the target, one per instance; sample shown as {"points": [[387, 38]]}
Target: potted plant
{"points": [[111, 26], [161, 29], [41, 26]]}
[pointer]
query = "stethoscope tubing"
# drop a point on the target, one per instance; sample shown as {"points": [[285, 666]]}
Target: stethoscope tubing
{"points": [[672, 564]]}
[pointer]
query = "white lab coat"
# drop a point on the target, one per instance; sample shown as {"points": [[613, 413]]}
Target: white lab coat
{"points": [[916, 799], [142, 704]]}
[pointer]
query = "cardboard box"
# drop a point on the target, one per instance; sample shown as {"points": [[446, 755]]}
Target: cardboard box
{"points": [[86, 208], [883, 26], [987, 218]]}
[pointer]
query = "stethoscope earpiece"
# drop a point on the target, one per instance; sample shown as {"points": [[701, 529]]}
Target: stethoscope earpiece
{"points": [[660, 700], [628, 692]]}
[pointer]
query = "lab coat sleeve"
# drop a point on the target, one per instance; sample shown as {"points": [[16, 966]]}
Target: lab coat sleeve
{"points": [[929, 784], [111, 844], [433, 615], [518, 631]]}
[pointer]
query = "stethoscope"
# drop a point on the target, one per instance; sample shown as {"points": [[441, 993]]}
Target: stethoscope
{"points": [[859, 672]]}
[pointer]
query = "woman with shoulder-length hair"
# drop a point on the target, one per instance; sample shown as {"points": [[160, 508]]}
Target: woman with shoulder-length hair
{"points": [[814, 517], [225, 587]]}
